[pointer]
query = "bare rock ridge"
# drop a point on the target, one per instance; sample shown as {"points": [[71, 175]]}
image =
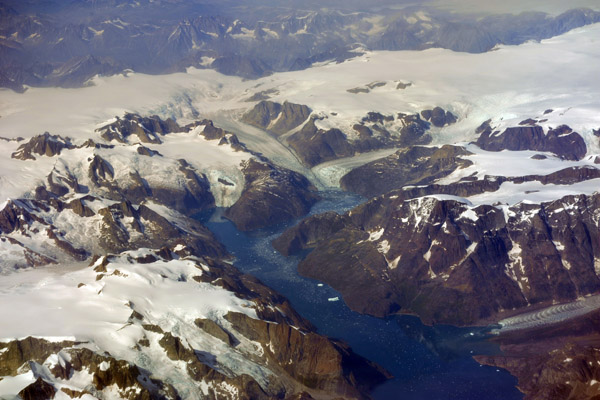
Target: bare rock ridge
{"points": [[275, 117], [392, 255], [65, 47], [414, 165], [44, 145], [314, 145], [121, 226], [271, 195], [319, 362], [439, 117], [470, 186], [146, 129], [191, 194], [562, 141], [415, 170], [375, 131]]}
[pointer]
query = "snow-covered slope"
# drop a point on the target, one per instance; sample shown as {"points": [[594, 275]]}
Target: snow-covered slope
{"points": [[159, 324]]}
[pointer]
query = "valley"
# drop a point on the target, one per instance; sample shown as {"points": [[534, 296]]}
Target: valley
{"points": [[384, 222]]}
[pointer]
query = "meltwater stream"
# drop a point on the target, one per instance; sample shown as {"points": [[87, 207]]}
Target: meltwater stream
{"points": [[427, 362]]}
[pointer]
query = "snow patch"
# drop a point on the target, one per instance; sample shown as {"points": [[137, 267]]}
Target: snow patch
{"points": [[376, 235]]}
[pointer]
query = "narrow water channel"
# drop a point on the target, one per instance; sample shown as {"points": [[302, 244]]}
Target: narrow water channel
{"points": [[427, 362]]}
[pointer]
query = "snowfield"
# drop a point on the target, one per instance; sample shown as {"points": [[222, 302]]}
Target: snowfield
{"points": [[508, 85], [68, 302]]}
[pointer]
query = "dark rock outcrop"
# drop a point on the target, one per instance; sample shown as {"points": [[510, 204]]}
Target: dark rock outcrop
{"points": [[18, 352], [275, 117], [190, 196], [562, 141], [39, 389], [410, 166], [194, 196], [43, 145], [387, 174], [124, 227], [211, 132], [147, 129], [439, 117], [17, 215], [100, 170], [106, 370], [298, 361], [417, 256], [59, 184], [214, 329], [245, 66], [319, 363], [314, 146], [271, 195], [308, 233]]}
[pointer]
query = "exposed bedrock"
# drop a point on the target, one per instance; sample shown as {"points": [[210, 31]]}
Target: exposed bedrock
{"points": [[416, 169], [410, 166], [562, 141], [396, 255], [289, 359], [271, 195], [275, 117]]}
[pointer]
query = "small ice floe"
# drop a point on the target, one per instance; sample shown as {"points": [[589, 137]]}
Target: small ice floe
{"points": [[333, 299]]}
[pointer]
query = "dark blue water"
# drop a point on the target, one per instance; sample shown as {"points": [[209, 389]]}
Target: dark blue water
{"points": [[427, 362]]}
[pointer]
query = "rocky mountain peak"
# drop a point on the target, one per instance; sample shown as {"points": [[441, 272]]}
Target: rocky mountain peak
{"points": [[147, 129], [44, 145], [562, 141], [275, 117]]}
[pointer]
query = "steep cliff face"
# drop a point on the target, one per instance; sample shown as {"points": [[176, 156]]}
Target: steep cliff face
{"points": [[392, 255]]}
